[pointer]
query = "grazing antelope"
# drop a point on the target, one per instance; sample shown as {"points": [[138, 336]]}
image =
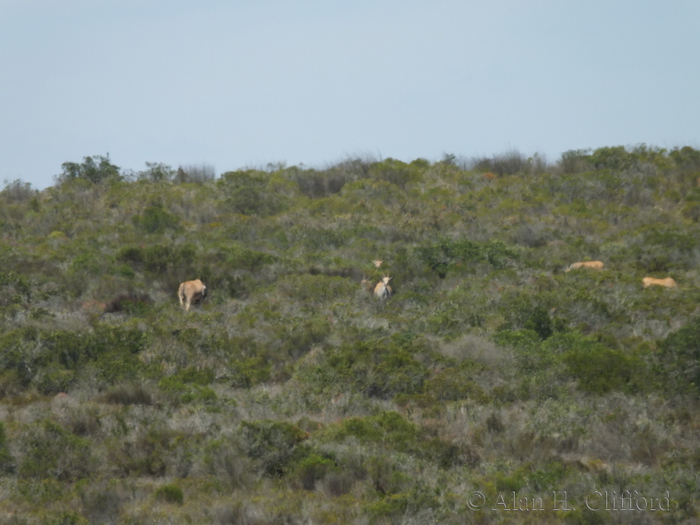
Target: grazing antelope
{"points": [[191, 292], [383, 290], [668, 282], [596, 265]]}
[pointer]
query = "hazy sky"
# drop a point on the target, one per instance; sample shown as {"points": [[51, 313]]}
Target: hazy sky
{"points": [[235, 84]]}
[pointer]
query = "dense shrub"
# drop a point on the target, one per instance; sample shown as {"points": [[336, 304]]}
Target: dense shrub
{"points": [[316, 184], [17, 191], [448, 254], [252, 193], [388, 428], [153, 450], [680, 355], [600, 369], [155, 219], [453, 384], [377, 369], [170, 494], [250, 371], [272, 444], [7, 465], [51, 359], [312, 469], [391, 431], [130, 303], [527, 311], [395, 172], [195, 173], [686, 157], [15, 288], [128, 394], [509, 163], [51, 452], [575, 161]]}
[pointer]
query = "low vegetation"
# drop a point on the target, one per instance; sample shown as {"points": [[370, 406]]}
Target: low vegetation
{"points": [[490, 380]]}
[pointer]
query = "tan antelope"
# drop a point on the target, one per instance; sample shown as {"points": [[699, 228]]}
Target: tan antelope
{"points": [[191, 292], [595, 265], [367, 284], [377, 263], [383, 290], [668, 282]]}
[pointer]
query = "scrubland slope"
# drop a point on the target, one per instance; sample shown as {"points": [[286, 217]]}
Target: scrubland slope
{"points": [[291, 395]]}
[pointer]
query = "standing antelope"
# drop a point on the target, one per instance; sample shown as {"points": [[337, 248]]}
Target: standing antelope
{"points": [[191, 292], [383, 290], [377, 263]]}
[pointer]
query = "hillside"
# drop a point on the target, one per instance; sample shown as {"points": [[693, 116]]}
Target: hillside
{"points": [[492, 387]]}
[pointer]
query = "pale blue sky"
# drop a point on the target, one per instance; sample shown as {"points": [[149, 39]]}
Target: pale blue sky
{"points": [[243, 83]]}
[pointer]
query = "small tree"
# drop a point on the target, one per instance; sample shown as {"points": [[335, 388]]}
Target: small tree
{"points": [[156, 172], [94, 169], [17, 191], [195, 173]]}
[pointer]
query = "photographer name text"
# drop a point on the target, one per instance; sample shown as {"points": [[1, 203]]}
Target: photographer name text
{"points": [[560, 500]]}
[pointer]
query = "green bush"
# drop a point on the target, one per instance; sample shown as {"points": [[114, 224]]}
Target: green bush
{"points": [[7, 464], [447, 254], [16, 286], [170, 494], [387, 428], [391, 431], [159, 258], [65, 518], [611, 158], [52, 360], [660, 250], [128, 394], [252, 193], [686, 158], [155, 219], [317, 288], [599, 369], [17, 191], [251, 371], [680, 357], [53, 378], [453, 384], [272, 444], [51, 452], [116, 366], [540, 372], [374, 368], [153, 450], [299, 337], [527, 311], [575, 161], [312, 469], [395, 172], [17, 357], [224, 460], [315, 184], [190, 384]]}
